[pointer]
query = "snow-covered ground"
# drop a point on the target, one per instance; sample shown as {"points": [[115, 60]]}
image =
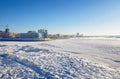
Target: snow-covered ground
{"points": [[76, 58]]}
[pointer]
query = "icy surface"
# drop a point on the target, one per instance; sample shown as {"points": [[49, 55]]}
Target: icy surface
{"points": [[61, 59]]}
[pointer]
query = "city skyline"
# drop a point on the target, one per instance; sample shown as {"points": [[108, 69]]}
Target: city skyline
{"points": [[89, 17]]}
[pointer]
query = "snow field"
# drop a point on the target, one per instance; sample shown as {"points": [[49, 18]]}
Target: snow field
{"points": [[60, 59]]}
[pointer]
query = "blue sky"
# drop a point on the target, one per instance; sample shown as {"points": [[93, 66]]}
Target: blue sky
{"points": [[90, 17]]}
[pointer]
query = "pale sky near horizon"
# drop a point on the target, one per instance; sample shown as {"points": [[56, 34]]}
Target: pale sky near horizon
{"points": [[89, 17]]}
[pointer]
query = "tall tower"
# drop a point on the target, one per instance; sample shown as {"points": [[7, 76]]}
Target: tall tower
{"points": [[7, 30]]}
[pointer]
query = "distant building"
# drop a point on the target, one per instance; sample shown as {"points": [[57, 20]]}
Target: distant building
{"points": [[7, 30], [43, 33], [29, 34], [77, 35], [7, 34], [54, 36], [1, 34]]}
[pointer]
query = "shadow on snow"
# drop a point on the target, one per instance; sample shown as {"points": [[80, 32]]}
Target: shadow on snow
{"points": [[28, 64]]}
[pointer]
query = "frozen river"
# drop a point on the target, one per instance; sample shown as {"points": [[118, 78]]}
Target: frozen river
{"points": [[76, 58]]}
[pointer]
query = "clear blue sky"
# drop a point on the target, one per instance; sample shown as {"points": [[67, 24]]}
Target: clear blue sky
{"points": [[91, 17]]}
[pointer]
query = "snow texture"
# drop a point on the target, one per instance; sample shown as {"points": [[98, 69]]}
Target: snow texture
{"points": [[76, 58]]}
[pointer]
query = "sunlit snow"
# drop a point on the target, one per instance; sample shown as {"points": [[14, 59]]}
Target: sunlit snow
{"points": [[76, 58]]}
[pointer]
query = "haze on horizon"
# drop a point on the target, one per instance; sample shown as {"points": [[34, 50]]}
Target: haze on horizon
{"points": [[89, 17]]}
